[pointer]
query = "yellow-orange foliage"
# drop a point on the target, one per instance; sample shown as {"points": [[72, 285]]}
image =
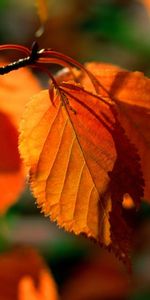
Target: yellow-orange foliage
{"points": [[131, 93], [82, 164], [15, 90], [23, 275], [66, 163], [46, 289]]}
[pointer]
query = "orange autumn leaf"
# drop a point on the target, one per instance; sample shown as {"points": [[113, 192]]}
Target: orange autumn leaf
{"points": [[11, 170], [131, 93], [46, 290], [16, 88], [13, 96], [23, 275], [81, 165]]}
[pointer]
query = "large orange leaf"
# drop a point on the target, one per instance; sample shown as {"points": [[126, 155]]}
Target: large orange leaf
{"points": [[131, 93], [23, 275], [15, 90], [82, 165]]}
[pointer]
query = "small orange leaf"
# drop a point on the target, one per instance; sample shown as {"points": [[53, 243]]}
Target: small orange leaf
{"points": [[46, 290], [13, 96], [30, 278], [11, 170], [16, 88], [81, 165]]}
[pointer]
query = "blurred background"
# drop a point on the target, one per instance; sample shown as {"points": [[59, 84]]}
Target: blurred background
{"points": [[115, 31]]}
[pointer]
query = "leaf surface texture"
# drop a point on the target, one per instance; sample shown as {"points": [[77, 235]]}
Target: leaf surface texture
{"points": [[77, 168]]}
